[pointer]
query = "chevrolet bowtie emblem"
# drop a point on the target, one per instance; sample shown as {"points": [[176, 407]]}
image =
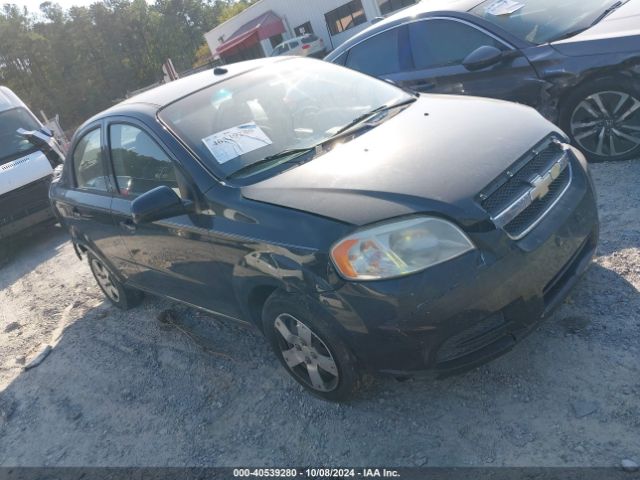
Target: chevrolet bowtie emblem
{"points": [[540, 185]]}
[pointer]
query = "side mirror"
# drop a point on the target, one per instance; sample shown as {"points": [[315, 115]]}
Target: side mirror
{"points": [[157, 204], [44, 140], [38, 137], [482, 57]]}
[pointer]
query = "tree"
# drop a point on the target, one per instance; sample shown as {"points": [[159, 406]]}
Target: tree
{"points": [[80, 61]]}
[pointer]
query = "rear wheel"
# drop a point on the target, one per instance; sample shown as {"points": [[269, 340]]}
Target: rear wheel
{"points": [[121, 296], [308, 348], [603, 119]]}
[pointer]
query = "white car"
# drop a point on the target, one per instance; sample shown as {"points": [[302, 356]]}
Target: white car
{"points": [[308, 45], [28, 157]]}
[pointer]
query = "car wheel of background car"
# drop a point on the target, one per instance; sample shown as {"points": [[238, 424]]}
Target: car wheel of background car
{"points": [[121, 296], [603, 119], [308, 348]]}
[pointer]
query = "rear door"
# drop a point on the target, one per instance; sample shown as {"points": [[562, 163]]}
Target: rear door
{"points": [[86, 205]]}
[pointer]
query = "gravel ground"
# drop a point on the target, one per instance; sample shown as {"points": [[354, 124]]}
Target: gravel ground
{"points": [[125, 389]]}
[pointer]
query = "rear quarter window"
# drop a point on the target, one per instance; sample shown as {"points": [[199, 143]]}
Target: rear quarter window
{"points": [[378, 55]]}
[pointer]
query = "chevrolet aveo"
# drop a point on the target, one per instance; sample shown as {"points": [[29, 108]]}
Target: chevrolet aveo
{"points": [[362, 228]]}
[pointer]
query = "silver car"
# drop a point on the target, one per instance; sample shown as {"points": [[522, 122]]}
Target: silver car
{"points": [[308, 45]]}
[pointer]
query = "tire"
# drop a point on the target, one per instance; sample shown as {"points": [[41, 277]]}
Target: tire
{"points": [[301, 357], [604, 111], [122, 297]]}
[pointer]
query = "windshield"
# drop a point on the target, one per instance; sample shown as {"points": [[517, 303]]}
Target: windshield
{"points": [[285, 106], [541, 21], [12, 144]]}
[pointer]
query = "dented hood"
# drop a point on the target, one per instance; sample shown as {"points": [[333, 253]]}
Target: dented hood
{"points": [[435, 156]]}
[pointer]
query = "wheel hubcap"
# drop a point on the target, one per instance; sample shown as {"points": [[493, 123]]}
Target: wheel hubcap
{"points": [[305, 354], [104, 279], [607, 123]]}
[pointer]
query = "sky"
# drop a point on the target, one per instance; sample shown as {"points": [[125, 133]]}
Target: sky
{"points": [[34, 5]]}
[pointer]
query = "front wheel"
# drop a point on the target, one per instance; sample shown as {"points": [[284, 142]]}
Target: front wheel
{"points": [[603, 119], [121, 296], [309, 349]]}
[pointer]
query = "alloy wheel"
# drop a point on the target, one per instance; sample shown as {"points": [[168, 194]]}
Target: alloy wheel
{"points": [[305, 354], [607, 123], [104, 279]]}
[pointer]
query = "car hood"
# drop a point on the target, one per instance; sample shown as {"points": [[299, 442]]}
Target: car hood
{"points": [[434, 157], [618, 32]]}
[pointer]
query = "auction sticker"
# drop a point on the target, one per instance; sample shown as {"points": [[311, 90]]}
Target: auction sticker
{"points": [[236, 141]]}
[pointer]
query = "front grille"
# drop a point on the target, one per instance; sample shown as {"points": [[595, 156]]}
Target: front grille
{"points": [[519, 225], [483, 333], [24, 212], [511, 192]]}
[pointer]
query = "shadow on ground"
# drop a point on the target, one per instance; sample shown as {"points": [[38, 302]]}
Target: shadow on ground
{"points": [[31, 249], [123, 388]]}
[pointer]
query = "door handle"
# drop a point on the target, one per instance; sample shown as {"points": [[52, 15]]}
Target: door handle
{"points": [[128, 225]]}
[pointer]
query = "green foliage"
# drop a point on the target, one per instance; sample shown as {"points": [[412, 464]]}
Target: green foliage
{"points": [[80, 61]]}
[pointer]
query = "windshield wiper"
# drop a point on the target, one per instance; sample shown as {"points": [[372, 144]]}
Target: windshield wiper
{"points": [[291, 152], [297, 152], [365, 116], [598, 19], [608, 11]]}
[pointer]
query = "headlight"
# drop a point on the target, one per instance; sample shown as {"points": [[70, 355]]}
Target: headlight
{"points": [[399, 248]]}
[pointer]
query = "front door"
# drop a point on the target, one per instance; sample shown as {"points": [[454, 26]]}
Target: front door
{"points": [[438, 48], [175, 257]]}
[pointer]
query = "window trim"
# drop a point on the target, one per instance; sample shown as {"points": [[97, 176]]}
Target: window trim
{"points": [[142, 127], [105, 170], [416, 20]]}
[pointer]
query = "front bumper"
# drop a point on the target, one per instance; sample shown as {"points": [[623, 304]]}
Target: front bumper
{"points": [[25, 207], [36, 217], [468, 311]]}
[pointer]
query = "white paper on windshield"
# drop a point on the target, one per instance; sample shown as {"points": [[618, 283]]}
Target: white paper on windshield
{"points": [[504, 7], [236, 141]]}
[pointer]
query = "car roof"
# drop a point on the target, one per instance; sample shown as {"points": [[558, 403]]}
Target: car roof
{"points": [[9, 100], [294, 39], [156, 98], [429, 6]]}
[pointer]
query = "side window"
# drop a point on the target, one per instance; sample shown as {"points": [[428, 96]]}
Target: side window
{"points": [[436, 43], [88, 163], [294, 44], [139, 163], [378, 55]]}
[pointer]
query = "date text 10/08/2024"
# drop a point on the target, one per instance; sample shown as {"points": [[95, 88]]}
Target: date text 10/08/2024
{"points": [[316, 472]]}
